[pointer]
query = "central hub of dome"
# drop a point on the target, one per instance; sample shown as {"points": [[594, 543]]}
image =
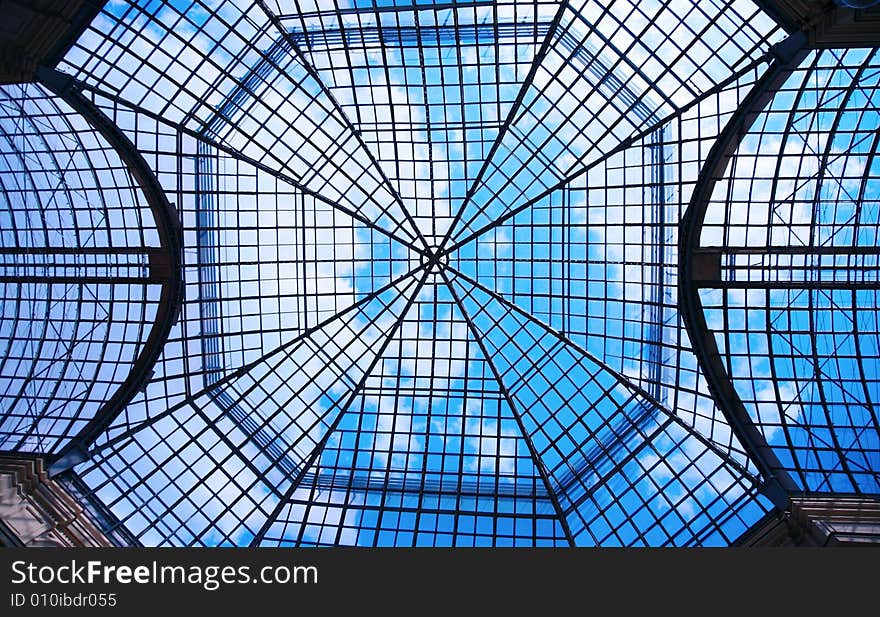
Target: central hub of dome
{"points": [[434, 259]]}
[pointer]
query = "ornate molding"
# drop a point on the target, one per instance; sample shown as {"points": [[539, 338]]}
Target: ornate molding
{"points": [[37, 511], [820, 521]]}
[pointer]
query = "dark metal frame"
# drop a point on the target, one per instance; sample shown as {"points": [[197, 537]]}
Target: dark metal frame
{"points": [[167, 269], [163, 268], [233, 447], [697, 267], [636, 433], [701, 268]]}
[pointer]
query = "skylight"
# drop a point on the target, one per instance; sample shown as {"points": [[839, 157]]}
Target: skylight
{"points": [[431, 267]]}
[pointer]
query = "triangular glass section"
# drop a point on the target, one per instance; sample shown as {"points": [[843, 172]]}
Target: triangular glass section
{"points": [[428, 87], [597, 85], [625, 472], [237, 447], [263, 261], [429, 454], [232, 76]]}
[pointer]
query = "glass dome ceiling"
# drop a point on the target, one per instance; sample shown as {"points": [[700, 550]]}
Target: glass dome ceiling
{"points": [[445, 273]]}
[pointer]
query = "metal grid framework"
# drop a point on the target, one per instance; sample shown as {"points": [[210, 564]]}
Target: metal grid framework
{"points": [[430, 257], [86, 273], [793, 230]]}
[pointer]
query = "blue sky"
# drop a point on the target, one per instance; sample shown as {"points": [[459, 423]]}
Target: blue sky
{"points": [[324, 172]]}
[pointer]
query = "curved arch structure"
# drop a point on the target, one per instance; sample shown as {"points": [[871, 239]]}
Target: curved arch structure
{"points": [[433, 269], [780, 264], [91, 269]]}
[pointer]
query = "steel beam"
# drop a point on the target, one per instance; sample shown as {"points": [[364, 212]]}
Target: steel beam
{"points": [[694, 272], [170, 236]]}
